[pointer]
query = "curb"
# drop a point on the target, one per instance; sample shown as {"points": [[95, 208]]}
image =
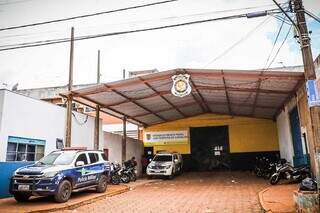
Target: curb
{"points": [[82, 203], [262, 204]]}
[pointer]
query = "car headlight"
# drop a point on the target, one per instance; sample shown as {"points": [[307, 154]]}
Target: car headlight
{"points": [[50, 174], [168, 167], [149, 166]]}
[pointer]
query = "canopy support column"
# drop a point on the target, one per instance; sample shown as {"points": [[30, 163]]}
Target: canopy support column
{"points": [[124, 139]]}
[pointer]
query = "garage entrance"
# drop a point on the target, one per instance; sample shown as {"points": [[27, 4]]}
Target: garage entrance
{"points": [[238, 106], [209, 148]]}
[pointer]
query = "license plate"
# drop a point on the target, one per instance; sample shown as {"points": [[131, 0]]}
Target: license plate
{"points": [[23, 187]]}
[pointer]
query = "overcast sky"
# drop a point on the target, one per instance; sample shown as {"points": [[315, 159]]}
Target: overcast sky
{"points": [[193, 46]]}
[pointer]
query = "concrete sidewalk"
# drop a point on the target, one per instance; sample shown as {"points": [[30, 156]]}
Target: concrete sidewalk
{"points": [[46, 204], [278, 198]]}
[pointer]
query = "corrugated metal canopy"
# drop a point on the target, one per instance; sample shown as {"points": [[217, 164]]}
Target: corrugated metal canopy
{"points": [[147, 100]]}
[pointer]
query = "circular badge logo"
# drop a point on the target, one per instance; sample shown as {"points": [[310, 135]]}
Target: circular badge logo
{"points": [[181, 86]]}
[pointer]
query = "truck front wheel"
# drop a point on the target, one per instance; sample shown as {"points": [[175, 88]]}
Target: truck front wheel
{"points": [[64, 192], [102, 184]]}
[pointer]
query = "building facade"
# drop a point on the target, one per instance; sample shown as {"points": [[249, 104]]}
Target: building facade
{"points": [[30, 128]]}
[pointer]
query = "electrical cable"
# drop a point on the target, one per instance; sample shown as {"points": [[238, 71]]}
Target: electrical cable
{"points": [[284, 40], [238, 42], [63, 40], [148, 20], [312, 15], [13, 2], [86, 15], [274, 42], [281, 19], [85, 121]]}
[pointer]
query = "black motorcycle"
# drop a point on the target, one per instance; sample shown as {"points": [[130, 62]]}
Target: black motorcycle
{"points": [[265, 167], [118, 174], [288, 172], [130, 170]]}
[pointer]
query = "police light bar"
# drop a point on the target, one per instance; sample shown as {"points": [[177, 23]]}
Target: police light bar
{"points": [[74, 148]]}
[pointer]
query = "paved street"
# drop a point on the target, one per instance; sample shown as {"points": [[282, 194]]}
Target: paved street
{"points": [[191, 192]]}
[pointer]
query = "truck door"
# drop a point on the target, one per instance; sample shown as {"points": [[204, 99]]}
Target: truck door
{"points": [[82, 172]]}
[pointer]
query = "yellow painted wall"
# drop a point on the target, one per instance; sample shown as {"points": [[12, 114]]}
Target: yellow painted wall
{"points": [[245, 134]]}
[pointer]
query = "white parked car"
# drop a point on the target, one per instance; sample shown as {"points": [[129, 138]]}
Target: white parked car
{"points": [[165, 164]]}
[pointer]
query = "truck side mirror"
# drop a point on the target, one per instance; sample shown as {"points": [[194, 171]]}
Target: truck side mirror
{"points": [[79, 163]]}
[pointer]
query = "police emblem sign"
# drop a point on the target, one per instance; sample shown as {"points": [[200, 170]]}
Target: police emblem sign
{"points": [[181, 86]]}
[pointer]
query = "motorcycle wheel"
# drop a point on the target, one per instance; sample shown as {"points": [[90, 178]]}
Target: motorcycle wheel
{"points": [[115, 180], [125, 178], [274, 179]]}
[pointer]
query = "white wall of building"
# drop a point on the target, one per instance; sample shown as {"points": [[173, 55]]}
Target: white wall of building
{"points": [[284, 135], [113, 142], [26, 117]]}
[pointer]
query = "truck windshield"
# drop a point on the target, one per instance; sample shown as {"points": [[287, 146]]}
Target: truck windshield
{"points": [[162, 158], [58, 158]]}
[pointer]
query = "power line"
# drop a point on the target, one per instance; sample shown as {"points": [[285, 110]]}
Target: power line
{"points": [[86, 15], [284, 40], [13, 2], [62, 40], [275, 41], [152, 20], [312, 15], [238, 42]]}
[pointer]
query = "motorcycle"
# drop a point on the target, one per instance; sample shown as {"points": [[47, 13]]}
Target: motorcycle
{"points": [[130, 170], [288, 172], [265, 167], [118, 174]]}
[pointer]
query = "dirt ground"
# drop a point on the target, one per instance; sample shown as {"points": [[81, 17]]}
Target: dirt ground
{"points": [[190, 192]]}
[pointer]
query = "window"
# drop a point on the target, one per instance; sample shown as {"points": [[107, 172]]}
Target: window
{"points": [[104, 157], [162, 158], [58, 158], [24, 149], [82, 157], [93, 157]]}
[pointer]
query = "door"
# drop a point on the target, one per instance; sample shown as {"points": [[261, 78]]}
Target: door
{"points": [[85, 175], [299, 157], [209, 148]]}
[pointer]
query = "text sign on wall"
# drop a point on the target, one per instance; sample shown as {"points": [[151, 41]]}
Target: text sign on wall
{"points": [[313, 93], [165, 137]]}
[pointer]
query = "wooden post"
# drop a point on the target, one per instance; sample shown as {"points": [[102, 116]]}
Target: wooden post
{"points": [[69, 101], [123, 74], [124, 139], [97, 118], [124, 131], [310, 74]]}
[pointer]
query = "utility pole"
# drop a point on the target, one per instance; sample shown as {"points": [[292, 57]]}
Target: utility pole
{"points": [[124, 139], [97, 118], [69, 98], [310, 74]]}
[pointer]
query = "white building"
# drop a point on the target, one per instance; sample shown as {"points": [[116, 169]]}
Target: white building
{"points": [[31, 128]]}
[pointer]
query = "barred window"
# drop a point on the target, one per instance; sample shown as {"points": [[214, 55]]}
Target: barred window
{"points": [[23, 149]]}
